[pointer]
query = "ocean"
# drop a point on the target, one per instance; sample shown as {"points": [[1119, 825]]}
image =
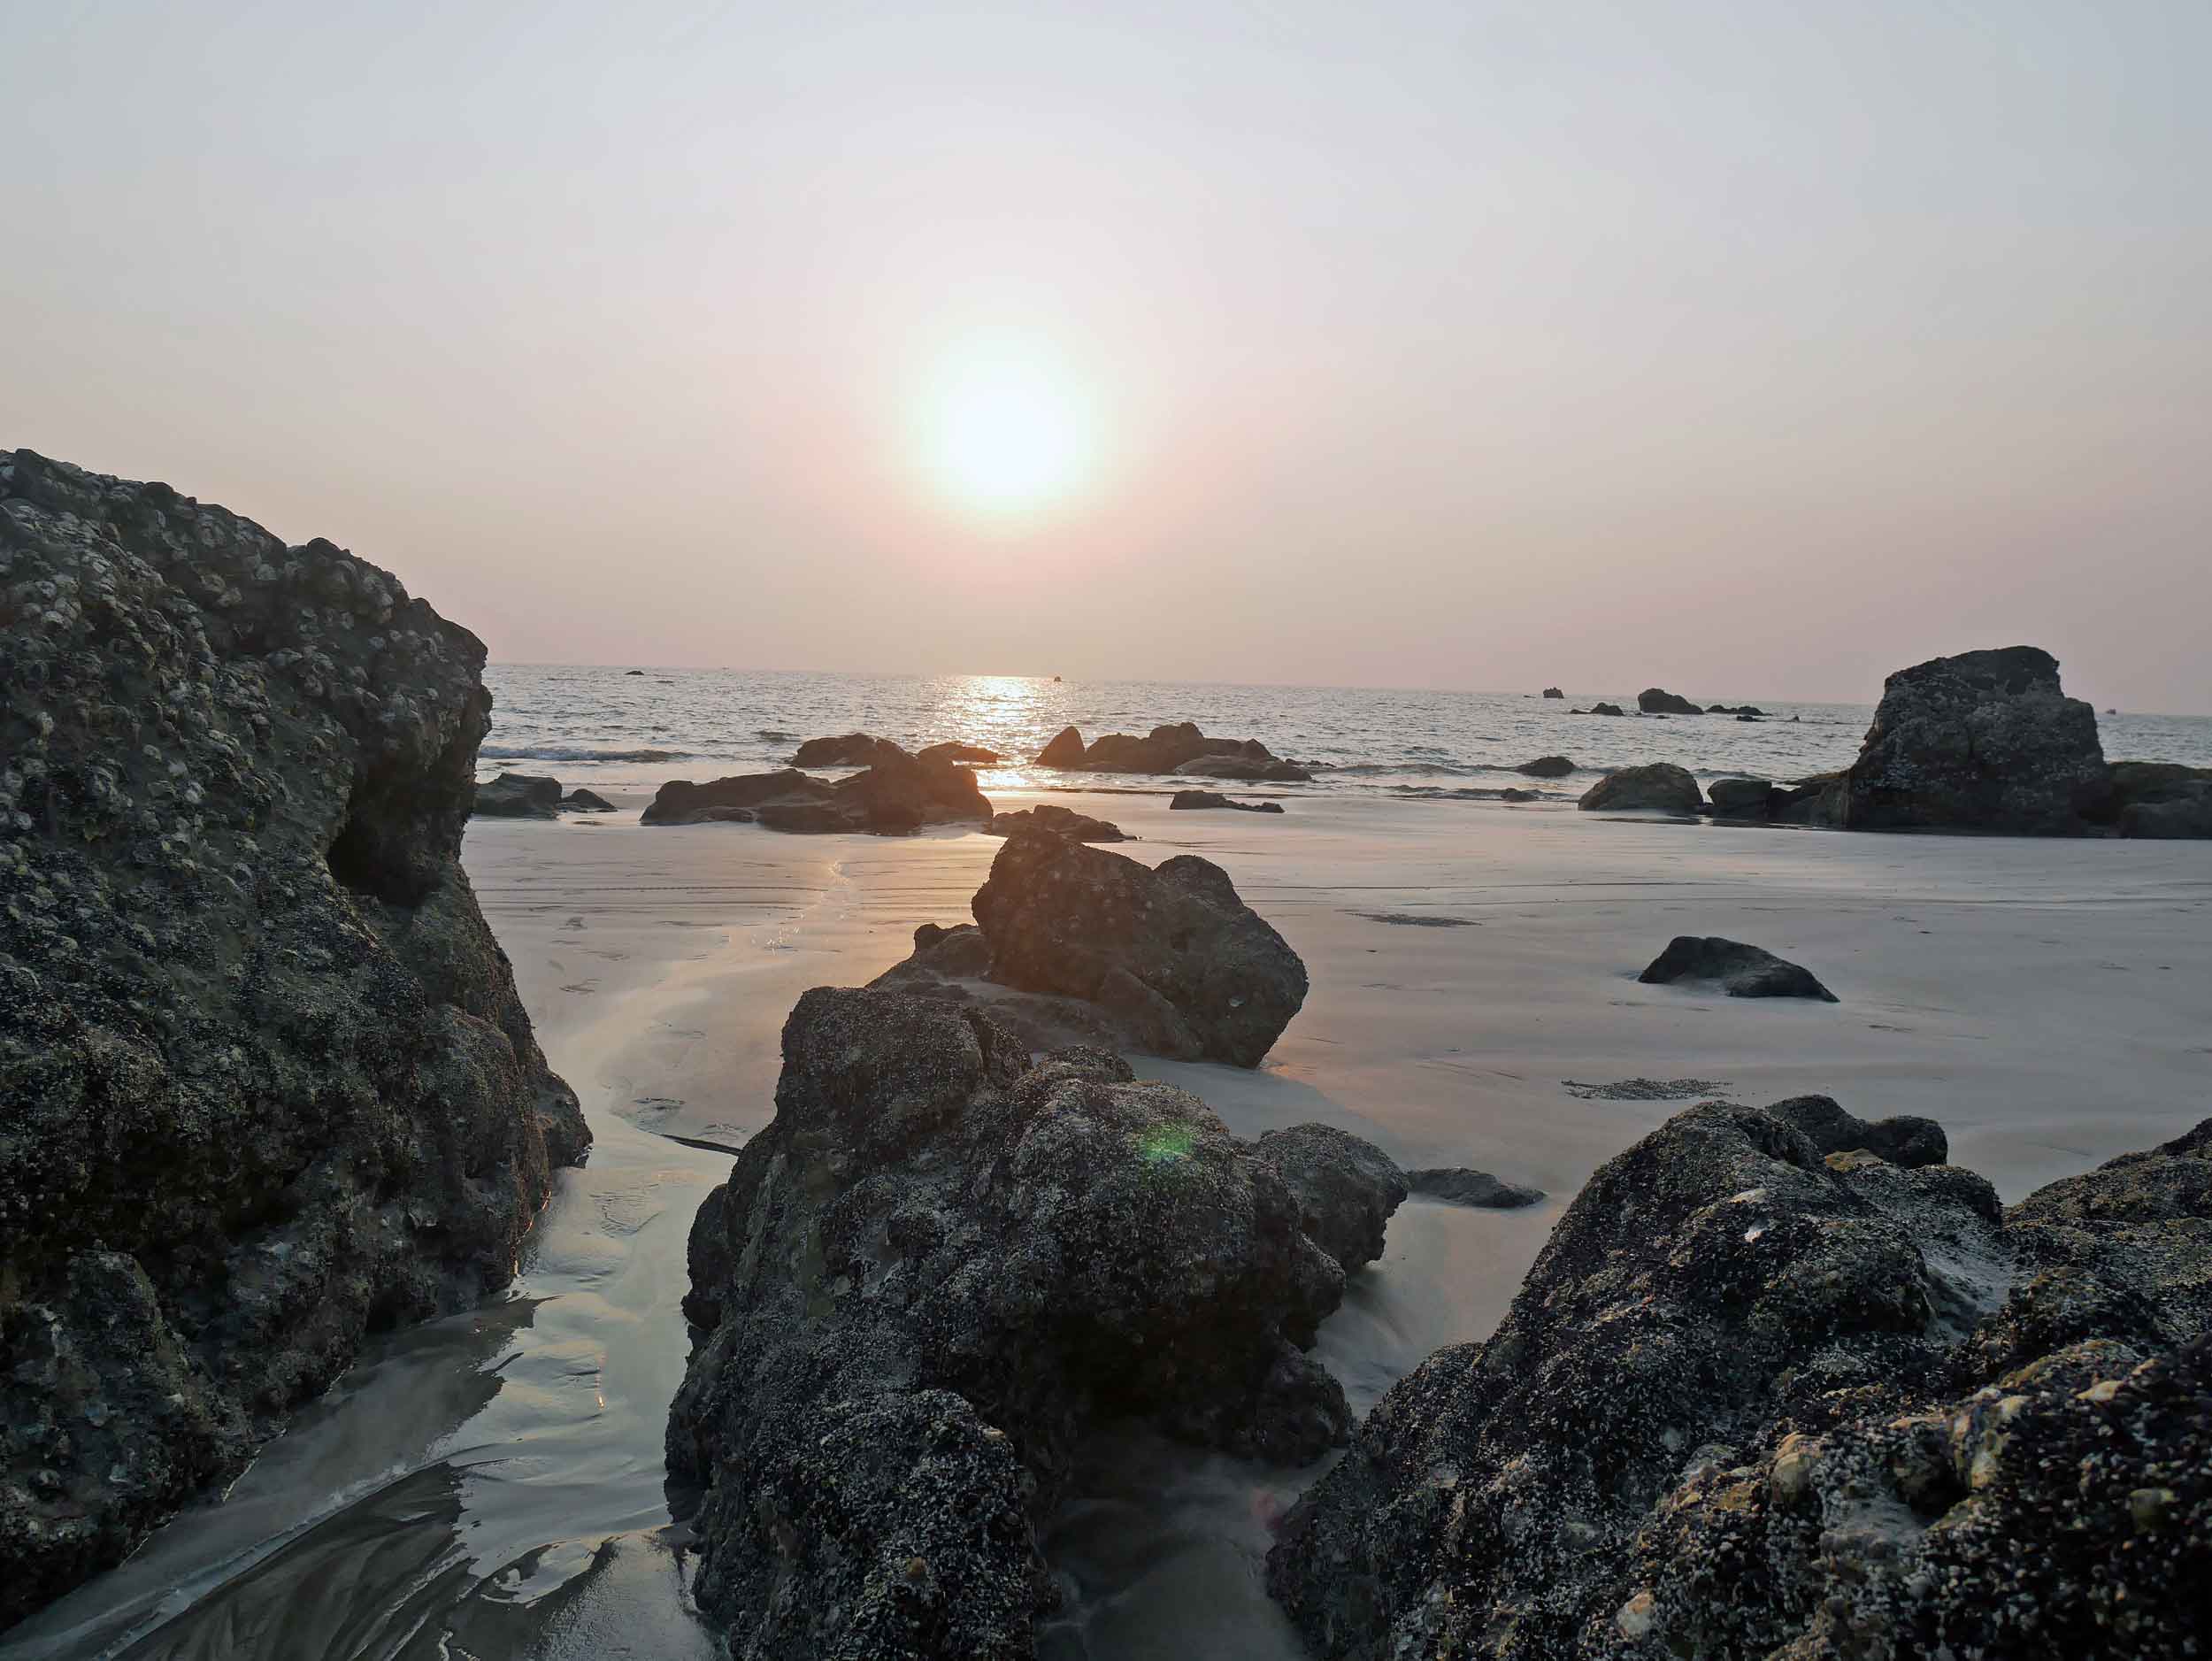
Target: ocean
{"points": [[609, 726]]}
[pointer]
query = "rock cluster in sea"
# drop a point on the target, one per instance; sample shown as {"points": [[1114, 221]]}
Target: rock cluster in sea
{"points": [[1755, 1400], [940, 1265], [895, 795], [265, 1082], [1072, 944], [1179, 749]]}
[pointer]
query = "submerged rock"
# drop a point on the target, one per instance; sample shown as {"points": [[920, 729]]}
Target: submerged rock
{"points": [[1058, 821], [1076, 944], [1657, 701], [518, 795], [1194, 800], [1741, 971], [934, 1270], [1659, 787], [1752, 1403], [264, 1080], [1456, 1185]]}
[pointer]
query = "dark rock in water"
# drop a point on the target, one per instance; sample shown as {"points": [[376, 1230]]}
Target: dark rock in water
{"points": [[1181, 749], [1511, 795], [1659, 787], [1747, 711], [1750, 718], [1547, 767], [1656, 701], [1271, 770], [971, 755], [1065, 751], [1600, 709], [1059, 821], [1750, 1403], [1985, 741], [1459, 1186], [2158, 799], [1168, 961], [895, 794], [1905, 1140], [582, 800], [1741, 971], [518, 795], [634, 672], [1816, 800], [265, 1082], [848, 750], [934, 1271], [1347, 1188], [1190, 801], [1554, 692], [1741, 798]]}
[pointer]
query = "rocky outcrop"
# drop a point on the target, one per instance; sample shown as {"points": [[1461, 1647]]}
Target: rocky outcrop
{"points": [[1985, 741], [1659, 787], [518, 795], [1193, 801], [1065, 751], [1554, 692], [1345, 1187], [1741, 971], [895, 794], [2157, 798], [935, 1270], [1058, 821], [1456, 1185], [1657, 701], [1747, 711], [1078, 945], [1755, 1403], [1905, 1140], [847, 750], [966, 754], [265, 1082], [1600, 709], [1547, 767], [1741, 798]]}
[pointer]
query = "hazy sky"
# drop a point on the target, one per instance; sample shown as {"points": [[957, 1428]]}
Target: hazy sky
{"points": [[1743, 348]]}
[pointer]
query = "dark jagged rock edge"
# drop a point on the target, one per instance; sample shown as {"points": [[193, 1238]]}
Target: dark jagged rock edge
{"points": [[1753, 1402], [935, 1270], [1741, 971], [265, 1082], [1074, 945], [1178, 749]]}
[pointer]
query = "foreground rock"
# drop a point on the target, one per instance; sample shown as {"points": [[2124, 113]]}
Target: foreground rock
{"points": [[1657, 701], [1659, 787], [1752, 1403], [1345, 1187], [1741, 971], [1177, 749], [1194, 801], [1076, 945], [265, 1082], [1058, 821], [895, 794], [932, 1273]]}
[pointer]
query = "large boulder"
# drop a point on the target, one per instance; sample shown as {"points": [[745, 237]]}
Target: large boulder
{"points": [[1741, 798], [1058, 821], [1065, 751], [1740, 970], [1753, 1402], [1657, 701], [1347, 1188], [1078, 945], [2158, 799], [518, 795], [265, 1082], [934, 1270], [1985, 741], [1659, 787]]}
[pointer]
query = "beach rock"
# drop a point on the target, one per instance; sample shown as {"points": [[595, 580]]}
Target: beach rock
{"points": [[1059, 821], [265, 1082], [1347, 1188], [1554, 692], [582, 800], [1511, 795], [1065, 751], [968, 754], [1905, 1140], [518, 795], [847, 750], [1192, 801], [1741, 798], [2158, 799], [1656, 701], [1985, 741], [681, 801], [1815, 801], [1245, 768], [1456, 1185], [1741, 971], [932, 1273], [895, 794], [1601, 709], [1547, 767], [1177, 748], [1753, 1402], [1659, 787]]}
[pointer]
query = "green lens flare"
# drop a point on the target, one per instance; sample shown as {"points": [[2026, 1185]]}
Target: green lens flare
{"points": [[1165, 1144]]}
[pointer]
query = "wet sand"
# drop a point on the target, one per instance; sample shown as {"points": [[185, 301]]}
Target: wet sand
{"points": [[490, 1486]]}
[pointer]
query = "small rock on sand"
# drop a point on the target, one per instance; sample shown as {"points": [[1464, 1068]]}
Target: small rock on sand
{"points": [[1741, 971]]}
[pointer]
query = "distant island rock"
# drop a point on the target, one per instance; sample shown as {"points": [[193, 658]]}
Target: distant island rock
{"points": [[1072, 944], [895, 794], [1554, 692], [1658, 788], [1656, 701], [846, 750], [267, 1083], [968, 755], [1190, 801], [1600, 709], [1172, 750]]}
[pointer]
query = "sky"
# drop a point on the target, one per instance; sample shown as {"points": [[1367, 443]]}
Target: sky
{"points": [[1750, 349]]}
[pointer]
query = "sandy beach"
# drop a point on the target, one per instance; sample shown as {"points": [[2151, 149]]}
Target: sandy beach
{"points": [[493, 1483]]}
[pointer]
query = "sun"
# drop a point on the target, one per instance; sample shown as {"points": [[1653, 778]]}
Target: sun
{"points": [[1006, 427]]}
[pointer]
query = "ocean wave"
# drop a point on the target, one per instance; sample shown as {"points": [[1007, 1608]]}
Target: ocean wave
{"points": [[576, 752]]}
